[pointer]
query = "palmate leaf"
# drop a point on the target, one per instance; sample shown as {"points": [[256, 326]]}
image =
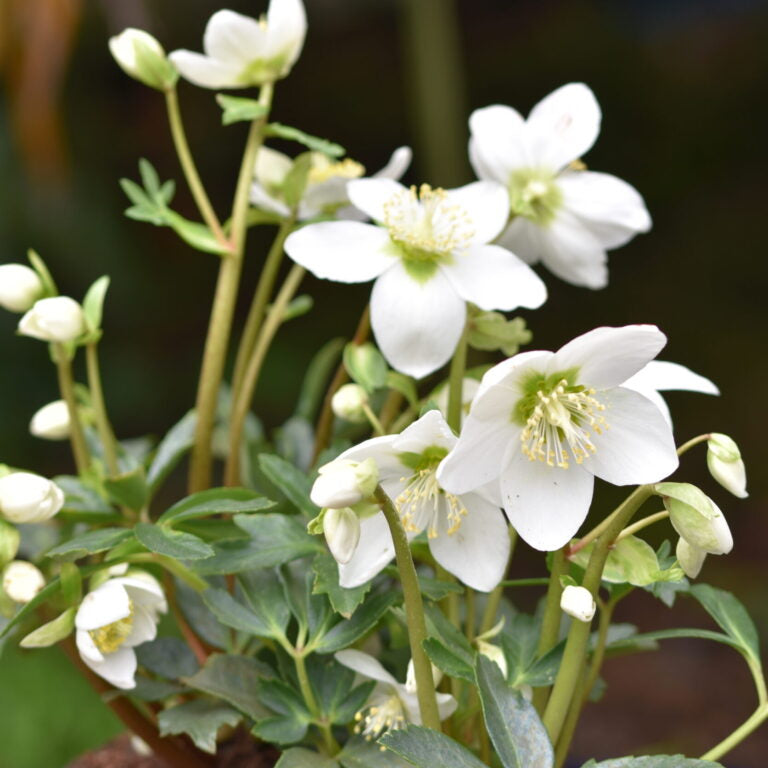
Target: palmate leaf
{"points": [[343, 600], [298, 757], [200, 719]]}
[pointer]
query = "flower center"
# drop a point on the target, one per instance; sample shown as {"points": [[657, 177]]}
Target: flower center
{"points": [[557, 428], [323, 169], [387, 714], [534, 195], [111, 636]]}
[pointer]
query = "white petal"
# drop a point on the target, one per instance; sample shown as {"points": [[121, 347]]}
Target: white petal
{"points": [[144, 627], [546, 505], [446, 705], [417, 323], [260, 198], [397, 165], [287, 25], [143, 589], [344, 251], [494, 278], [522, 238], [204, 71], [106, 604], [431, 429], [487, 205], [638, 446], [662, 374], [478, 551], [369, 195], [118, 668], [611, 209], [382, 451], [374, 551], [607, 357], [235, 39], [563, 125], [86, 647], [507, 377], [498, 143], [365, 665]]}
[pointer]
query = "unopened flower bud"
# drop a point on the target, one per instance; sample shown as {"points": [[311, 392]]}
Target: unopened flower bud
{"points": [[696, 518], [495, 654], [342, 533], [344, 483], [691, 558], [348, 401], [20, 287], [578, 602], [28, 498], [410, 677], [51, 422], [141, 57], [56, 319], [725, 464], [22, 581]]}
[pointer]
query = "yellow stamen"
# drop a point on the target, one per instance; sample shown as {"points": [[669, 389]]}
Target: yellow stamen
{"points": [[421, 497], [111, 636], [323, 169]]}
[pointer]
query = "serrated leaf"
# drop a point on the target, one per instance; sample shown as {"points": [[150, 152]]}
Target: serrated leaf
{"points": [[653, 761], [343, 600], [449, 660], [311, 142], [200, 719], [298, 757], [93, 303], [176, 544], [264, 592], [168, 657], [215, 501], [237, 109], [178, 440], [292, 482], [426, 748], [90, 543], [347, 632]]}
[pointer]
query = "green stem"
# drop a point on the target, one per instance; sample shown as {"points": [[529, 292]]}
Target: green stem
{"points": [[471, 617], [571, 721], [242, 405], [630, 530], [67, 389], [578, 635], [456, 380], [494, 598], [190, 169], [108, 441], [258, 308], [541, 581], [220, 323], [606, 614], [373, 420], [172, 566], [741, 733], [693, 441], [414, 614]]}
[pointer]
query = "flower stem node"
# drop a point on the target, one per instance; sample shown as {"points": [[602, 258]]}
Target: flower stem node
{"points": [[578, 602], [348, 403], [344, 483], [20, 287], [725, 464], [28, 498], [22, 581], [142, 57], [58, 319], [51, 422]]}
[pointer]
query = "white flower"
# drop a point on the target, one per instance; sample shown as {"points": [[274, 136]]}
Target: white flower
{"points": [[112, 620], [467, 534], [326, 191], [578, 602], [51, 422], [725, 464], [142, 57], [348, 401], [391, 705], [241, 51], [663, 375], [544, 424], [563, 216], [429, 255], [22, 581], [56, 319], [20, 287], [28, 498], [344, 483]]}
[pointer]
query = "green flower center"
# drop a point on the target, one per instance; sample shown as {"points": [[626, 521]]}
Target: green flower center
{"points": [[534, 194], [111, 636]]}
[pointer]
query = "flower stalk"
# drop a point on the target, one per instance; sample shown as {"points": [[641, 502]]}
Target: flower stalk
{"points": [[67, 389], [108, 441], [456, 380]]}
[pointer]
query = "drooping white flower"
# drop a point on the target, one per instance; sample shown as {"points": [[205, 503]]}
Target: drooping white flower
{"points": [[241, 51], [544, 424], [562, 216], [57, 319], [29, 498], [429, 254], [348, 401], [726, 465], [578, 602], [22, 581], [661, 375], [467, 534], [142, 57], [391, 705], [20, 287], [342, 483], [112, 620], [326, 191], [51, 422]]}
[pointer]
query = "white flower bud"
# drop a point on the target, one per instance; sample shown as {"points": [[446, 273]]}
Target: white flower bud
{"points": [[725, 464], [348, 401], [697, 518], [56, 319], [410, 677], [342, 533], [51, 422], [20, 287], [495, 654], [690, 558], [22, 581], [28, 498], [141, 57], [344, 483], [578, 602]]}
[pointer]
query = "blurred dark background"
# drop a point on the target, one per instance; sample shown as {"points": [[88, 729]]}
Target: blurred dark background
{"points": [[682, 84]]}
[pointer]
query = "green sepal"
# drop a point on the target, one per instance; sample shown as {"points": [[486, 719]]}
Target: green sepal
{"points": [[93, 305], [236, 109], [49, 286]]}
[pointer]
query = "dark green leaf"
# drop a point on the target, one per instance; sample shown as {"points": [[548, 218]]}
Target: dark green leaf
{"points": [[90, 543], [148, 689], [173, 446], [200, 617], [264, 592], [343, 600], [670, 634], [298, 757], [284, 729], [129, 489], [176, 544], [236, 109], [83, 504], [426, 748], [201, 720], [455, 663], [168, 657], [655, 761], [234, 614], [346, 632], [359, 753], [311, 142], [293, 483], [215, 501]]}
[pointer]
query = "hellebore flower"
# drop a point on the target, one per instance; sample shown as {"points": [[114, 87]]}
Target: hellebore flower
{"points": [[544, 424], [28, 498], [348, 403], [22, 581], [391, 705], [428, 254], [112, 620], [142, 57], [51, 422], [241, 51], [344, 483], [20, 287], [561, 215], [726, 465], [57, 319]]}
